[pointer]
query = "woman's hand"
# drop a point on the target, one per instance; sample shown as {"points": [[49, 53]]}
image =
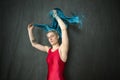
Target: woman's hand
{"points": [[55, 14], [30, 27]]}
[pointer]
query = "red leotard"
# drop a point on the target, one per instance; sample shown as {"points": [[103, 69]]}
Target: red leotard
{"points": [[55, 65]]}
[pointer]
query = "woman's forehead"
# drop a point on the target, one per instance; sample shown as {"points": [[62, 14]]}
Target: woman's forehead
{"points": [[50, 33]]}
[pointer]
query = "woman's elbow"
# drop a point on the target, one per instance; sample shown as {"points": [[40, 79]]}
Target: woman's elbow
{"points": [[33, 44]]}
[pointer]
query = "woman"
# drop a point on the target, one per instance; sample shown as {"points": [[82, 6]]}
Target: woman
{"points": [[57, 54]]}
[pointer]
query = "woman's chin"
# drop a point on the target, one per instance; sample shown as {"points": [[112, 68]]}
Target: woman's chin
{"points": [[52, 44]]}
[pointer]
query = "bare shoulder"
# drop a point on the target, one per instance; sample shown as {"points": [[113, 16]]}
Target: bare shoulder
{"points": [[63, 54], [47, 48], [63, 49]]}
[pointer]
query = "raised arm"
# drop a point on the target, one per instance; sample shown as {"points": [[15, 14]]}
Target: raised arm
{"points": [[65, 41], [33, 41]]}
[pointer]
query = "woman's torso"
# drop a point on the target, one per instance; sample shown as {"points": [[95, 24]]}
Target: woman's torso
{"points": [[55, 65]]}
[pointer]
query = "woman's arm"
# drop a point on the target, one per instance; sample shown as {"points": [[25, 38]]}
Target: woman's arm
{"points": [[65, 41], [33, 41]]}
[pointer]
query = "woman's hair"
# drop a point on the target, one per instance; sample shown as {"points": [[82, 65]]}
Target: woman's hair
{"points": [[54, 24], [54, 31]]}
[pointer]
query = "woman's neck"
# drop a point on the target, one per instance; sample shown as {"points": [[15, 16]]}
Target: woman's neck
{"points": [[54, 47]]}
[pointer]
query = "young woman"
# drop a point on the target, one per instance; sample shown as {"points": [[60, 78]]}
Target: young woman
{"points": [[57, 53]]}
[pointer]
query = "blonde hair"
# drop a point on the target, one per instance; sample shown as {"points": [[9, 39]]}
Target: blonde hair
{"points": [[54, 31]]}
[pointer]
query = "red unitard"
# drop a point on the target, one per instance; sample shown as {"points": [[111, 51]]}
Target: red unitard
{"points": [[55, 65]]}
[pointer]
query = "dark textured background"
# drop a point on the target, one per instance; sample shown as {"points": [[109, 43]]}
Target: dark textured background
{"points": [[94, 50]]}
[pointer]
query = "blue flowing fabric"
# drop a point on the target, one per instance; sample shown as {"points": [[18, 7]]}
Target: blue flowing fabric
{"points": [[54, 24]]}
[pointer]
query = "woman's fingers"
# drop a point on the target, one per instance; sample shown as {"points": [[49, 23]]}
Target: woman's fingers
{"points": [[54, 13], [30, 26]]}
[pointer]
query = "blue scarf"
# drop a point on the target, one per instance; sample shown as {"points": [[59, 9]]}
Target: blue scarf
{"points": [[54, 24]]}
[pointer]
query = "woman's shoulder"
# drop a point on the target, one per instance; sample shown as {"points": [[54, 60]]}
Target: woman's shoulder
{"points": [[47, 48]]}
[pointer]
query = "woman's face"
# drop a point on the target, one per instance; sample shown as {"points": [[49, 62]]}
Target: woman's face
{"points": [[52, 37]]}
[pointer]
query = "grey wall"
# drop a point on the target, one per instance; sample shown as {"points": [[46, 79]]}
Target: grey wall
{"points": [[94, 50]]}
